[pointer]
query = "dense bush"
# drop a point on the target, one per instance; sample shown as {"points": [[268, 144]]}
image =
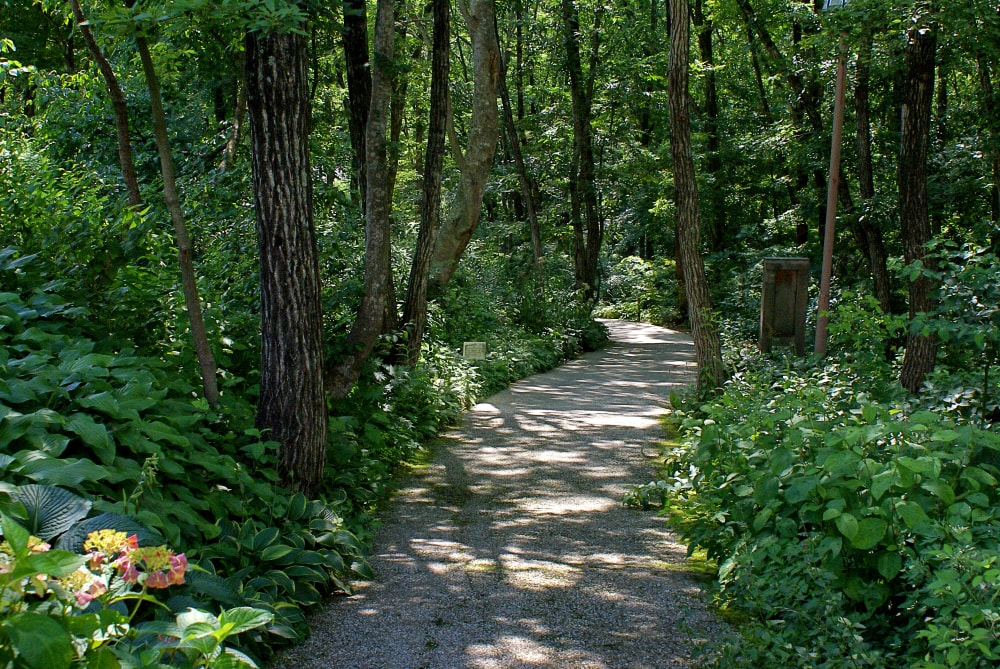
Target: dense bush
{"points": [[852, 527]]}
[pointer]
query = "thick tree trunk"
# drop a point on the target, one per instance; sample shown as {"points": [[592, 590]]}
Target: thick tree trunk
{"points": [[415, 306], [343, 373], [203, 351], [587, 228], [708, 350], [359, 85], [117, 103], [870, 232], [915, 122], [474, 165], [292, 404]]}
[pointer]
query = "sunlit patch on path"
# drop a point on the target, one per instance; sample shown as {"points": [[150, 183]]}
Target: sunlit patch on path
{"points": [[513, 548]]}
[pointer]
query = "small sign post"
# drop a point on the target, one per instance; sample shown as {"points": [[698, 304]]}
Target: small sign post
{"points": [[474, 350]]}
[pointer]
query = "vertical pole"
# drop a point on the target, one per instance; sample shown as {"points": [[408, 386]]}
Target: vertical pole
{"points": [[829, 232]]}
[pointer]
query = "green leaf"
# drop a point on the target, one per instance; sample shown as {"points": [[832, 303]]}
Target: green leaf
{"points": [[41, 642], [51, 510], [265, 538], [93, 434], [913, 514], [244, 618], [297, 506], [881, 483], [53, 563], [15, 535], [276, 552], [69, 473], [869, 534], [848, 525], [940, 489]]}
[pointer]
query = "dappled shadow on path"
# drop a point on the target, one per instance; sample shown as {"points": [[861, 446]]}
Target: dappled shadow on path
{"points": [[513, 549]]}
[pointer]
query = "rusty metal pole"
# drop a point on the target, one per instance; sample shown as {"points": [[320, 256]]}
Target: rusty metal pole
{"points": [[829, 229]]}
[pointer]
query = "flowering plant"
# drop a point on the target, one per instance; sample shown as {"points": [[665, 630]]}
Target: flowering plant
{"points": [[59, 609]]}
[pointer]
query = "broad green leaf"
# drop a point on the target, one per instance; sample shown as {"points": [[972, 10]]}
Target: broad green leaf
{"points": [[939, 489], [244, 618], [51, 510], [93, 434], [913, 514], [53, 563], [15, 535], [848, 525], [276, 552], [57, 472], [159, 432], [297, 506], [869, 534], [881, 483], [41, 642], [265, 538]]}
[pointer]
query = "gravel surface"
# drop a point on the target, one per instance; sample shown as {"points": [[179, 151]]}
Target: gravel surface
{"points": [[513, 549]]}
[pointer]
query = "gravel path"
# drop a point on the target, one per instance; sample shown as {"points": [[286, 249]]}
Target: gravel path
{"points": [[513, 548]]}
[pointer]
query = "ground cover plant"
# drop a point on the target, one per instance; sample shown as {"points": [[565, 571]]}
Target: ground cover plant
{"points": [[853, 524]]}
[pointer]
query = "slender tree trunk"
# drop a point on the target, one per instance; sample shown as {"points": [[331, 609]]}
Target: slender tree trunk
{"points": [[713, 161], [292, 404], [359, 84], [989, 112], [708, 350], [415, 306], [474, 165], [587, 228], [184, 250], [117, 103], [915, 122], [871, 233], [529, 188], [229, 153], [378, 209]]}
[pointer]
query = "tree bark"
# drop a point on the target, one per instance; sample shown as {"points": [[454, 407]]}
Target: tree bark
{"points": [[708, 350], [870, 231], [117, 104], [292, 404], [229, 153], [713, 161], [343, 373], [203, 351], [529, 188], [474, 165], [415, 306], [915, 123], [359, 85], [587, 228], [989, 112]]}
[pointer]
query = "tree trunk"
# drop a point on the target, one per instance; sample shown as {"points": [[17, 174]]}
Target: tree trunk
{"points": [[367, 327], [474, 165], [117, 103], [989, 112], [870, 231], [359, 85], [184, 251], [292, 404], [229, 153], [529, 188], [587, 228], [713, 161], [708, 350], [915, 122], [415, 307]]}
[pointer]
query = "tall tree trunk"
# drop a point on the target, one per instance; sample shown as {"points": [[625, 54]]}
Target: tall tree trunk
{"points": [[359, 85], [229, 153], [708, 350], [713, 161], [529, 188], [989, 112], [415, 306], [184, 251], [871, 232], [367, 327], [117, 103], [587, 228], [292, 403], [915, 124], [474, 165]]}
